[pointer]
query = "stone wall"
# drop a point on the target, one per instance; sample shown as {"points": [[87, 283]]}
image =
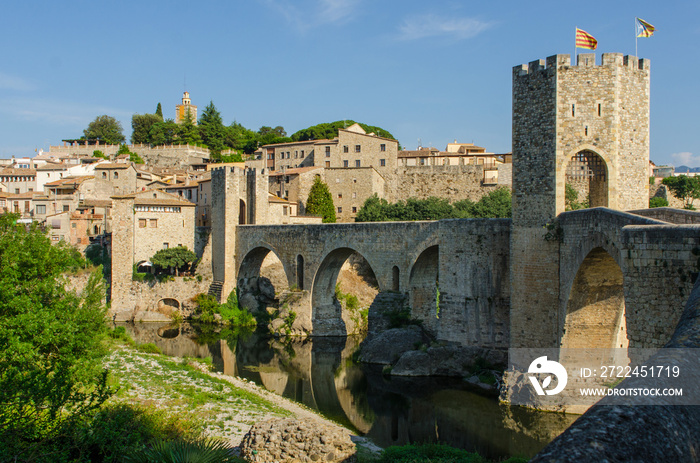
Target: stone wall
{"points": [[474, 281], [453, 183], [671, 215]]}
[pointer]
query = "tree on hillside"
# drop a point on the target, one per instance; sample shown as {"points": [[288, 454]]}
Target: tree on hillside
{"points": [[268, 135], [240, 138], [329, 130], [107, 129], [178, 258], [159, 111], [685, 188], [163, 133], [187, 132], [212, 130], [320, 201], [141, 125], [51, 375]]}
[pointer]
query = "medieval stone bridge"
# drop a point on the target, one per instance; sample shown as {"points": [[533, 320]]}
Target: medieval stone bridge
{"points": [[621, 278]]}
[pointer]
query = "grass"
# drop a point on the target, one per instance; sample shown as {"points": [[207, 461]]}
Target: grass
{"points": [[179, 387]]}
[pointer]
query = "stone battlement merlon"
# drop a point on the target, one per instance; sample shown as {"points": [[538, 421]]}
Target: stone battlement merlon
{"points": [[582, 60]]}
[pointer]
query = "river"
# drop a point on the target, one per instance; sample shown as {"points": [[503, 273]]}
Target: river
{"points": [[320, 373]]}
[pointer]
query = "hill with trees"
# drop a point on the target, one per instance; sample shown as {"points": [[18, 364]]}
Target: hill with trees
{"points": [[329, 130]]}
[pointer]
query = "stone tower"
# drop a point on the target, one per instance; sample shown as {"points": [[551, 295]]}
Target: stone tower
{"points": [[186, 106], [586, 125]]}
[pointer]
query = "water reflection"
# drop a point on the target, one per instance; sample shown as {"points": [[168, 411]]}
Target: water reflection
{"points": [[320, 374]]}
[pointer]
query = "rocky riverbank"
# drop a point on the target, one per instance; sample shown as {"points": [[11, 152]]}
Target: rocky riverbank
{"points": [[224, 407]]}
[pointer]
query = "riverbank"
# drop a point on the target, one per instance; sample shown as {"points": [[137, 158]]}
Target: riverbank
{"points": [[221, 406]]}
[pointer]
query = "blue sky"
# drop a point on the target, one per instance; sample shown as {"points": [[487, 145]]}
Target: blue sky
{"points": [[434, 71]]}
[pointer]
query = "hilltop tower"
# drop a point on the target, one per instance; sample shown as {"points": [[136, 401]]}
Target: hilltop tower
{"points": [[180, 110], [586, 125]]}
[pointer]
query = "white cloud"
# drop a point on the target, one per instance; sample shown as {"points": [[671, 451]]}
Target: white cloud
{"points": [[430, 25], [333, 11], [317, 13], [686, 159], [9, 82]]}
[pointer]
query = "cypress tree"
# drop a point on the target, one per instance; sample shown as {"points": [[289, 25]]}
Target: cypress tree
{"points": [[320, 201], [159, 111]]}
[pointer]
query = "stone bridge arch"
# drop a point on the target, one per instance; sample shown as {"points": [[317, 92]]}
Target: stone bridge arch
{"points": [[423, 287], [327, 316], [249, 270], [594, 314]]}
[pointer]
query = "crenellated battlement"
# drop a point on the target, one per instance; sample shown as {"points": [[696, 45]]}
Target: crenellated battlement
{"points": [[583, 60]]}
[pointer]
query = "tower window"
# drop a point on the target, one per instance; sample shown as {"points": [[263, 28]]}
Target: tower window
{"points": [[573, 110], [600, 111], [585, 130]]}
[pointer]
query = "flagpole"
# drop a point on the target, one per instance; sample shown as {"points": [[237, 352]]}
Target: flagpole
{"points": [[575, 49], [635, 38]]}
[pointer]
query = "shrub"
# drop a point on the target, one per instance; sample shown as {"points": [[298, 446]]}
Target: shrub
{"points": [[123, 429], [658, 202], [204, 450], [428, 453]]}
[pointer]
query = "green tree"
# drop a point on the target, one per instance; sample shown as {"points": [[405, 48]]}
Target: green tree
{"points": [[268, 135], [107, 129], [571, 202], [163, 133], [496, 204], [141, 125], [329, 130], [240, 138], [320, 201], [187, 132], [685, 188], [99, 154], [50, 344], [212, 130], [176, 258], [159, 111]]}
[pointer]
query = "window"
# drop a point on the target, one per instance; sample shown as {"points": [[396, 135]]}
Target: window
{"points": [[346, 149], [166, 245], [340, 195], [153, 223], [286, 179], [26, 206], [382, 162], [382, 147], [284, 210], [116, 175], [354, 195], [357, 163], [357, 148], [41, 209], [296, 154], [30, 189], [600, 111], [288, 154], [354, 209], [16, 191], [302, 153], [585, 131], [142, 223], [573, 110], [73, 225], [340, 210], [104, 174], [328, 151], [345, 164], [328, 163], [66, 208]]}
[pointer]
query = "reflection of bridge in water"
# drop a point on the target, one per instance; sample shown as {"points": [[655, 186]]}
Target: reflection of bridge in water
{"points": [[320, 374]]}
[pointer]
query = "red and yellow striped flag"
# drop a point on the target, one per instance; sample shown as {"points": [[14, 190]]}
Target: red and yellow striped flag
{"points": [[585, 40], [644, 29]]}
